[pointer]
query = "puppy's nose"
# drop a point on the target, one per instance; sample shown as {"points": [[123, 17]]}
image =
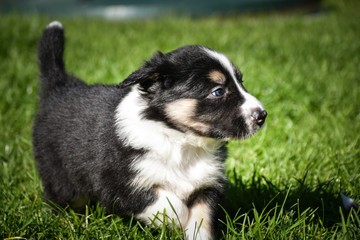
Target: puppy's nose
{"points": [[258, 116]]}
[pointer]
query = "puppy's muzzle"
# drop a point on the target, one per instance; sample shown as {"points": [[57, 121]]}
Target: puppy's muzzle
{"points": [[258, 116]]}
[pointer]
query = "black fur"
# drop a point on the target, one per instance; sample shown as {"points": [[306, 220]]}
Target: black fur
{"points": [[74, 139]]}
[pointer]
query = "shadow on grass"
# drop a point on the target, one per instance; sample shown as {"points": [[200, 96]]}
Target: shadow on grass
{"points": [[260, 193]]}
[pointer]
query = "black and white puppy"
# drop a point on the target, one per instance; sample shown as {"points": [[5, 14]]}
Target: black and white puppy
{"points": [[144, 150]]}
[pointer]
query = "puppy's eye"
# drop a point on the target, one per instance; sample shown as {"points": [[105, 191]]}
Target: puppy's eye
{"points": [[218, 92]]}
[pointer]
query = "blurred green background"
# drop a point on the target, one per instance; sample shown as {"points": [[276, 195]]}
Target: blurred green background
{"points": [[135, 9]]}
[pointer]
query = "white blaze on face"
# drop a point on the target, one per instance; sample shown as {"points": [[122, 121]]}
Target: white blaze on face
{"points": [[251, 103]]}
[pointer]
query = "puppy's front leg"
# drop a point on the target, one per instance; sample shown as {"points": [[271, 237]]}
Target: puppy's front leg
{"points": [[165, 203], [199, 226]]}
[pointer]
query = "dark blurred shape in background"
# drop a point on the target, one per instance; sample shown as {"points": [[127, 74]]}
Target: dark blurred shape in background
{"points": [[137, 9]]}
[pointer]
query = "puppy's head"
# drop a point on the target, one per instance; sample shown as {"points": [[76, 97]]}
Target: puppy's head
{"points": [[196, 89]]}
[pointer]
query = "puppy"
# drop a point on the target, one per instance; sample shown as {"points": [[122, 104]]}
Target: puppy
{"points": [[155, 148]]}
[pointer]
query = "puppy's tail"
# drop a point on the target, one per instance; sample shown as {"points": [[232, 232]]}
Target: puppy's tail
{"points": [[50, 54]]}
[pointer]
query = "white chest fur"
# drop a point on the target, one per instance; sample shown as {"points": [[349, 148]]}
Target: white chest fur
{"points": [[175, 161]]}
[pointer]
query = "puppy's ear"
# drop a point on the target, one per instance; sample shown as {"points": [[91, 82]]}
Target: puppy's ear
{"points": [[150, 71]]}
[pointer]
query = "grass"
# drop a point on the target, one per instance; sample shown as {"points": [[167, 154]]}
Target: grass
{"points": [[285, 181]]}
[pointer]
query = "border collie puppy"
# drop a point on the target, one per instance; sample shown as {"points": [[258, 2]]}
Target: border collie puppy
{"points": [[155, 148]]}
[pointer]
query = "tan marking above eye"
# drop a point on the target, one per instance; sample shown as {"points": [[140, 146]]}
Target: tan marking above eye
{"points": [[182, 111], [217, 77]]}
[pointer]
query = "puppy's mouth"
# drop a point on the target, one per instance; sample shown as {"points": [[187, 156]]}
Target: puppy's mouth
{"points": [[257, 118], [245, 127], [255, 121]]}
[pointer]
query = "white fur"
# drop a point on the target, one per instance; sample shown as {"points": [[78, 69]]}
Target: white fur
{"points": [[194, 232], [176, 162], [251, 103], [161, 208], [168, 207], [55, 24]]}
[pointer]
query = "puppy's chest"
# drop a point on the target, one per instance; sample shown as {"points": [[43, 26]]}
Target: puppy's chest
{"points": [[181, 171]]}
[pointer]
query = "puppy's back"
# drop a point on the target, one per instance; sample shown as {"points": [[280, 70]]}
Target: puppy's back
{"points": [[74, 127]]}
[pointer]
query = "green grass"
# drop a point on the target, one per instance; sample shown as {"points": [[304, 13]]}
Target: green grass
{"points": [[285, 181]]}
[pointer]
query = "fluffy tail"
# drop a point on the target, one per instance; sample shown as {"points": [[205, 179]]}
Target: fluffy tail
{"points": [[50, 54]]}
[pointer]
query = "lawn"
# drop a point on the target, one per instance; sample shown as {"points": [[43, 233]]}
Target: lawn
{"points": [[284, 182]]}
